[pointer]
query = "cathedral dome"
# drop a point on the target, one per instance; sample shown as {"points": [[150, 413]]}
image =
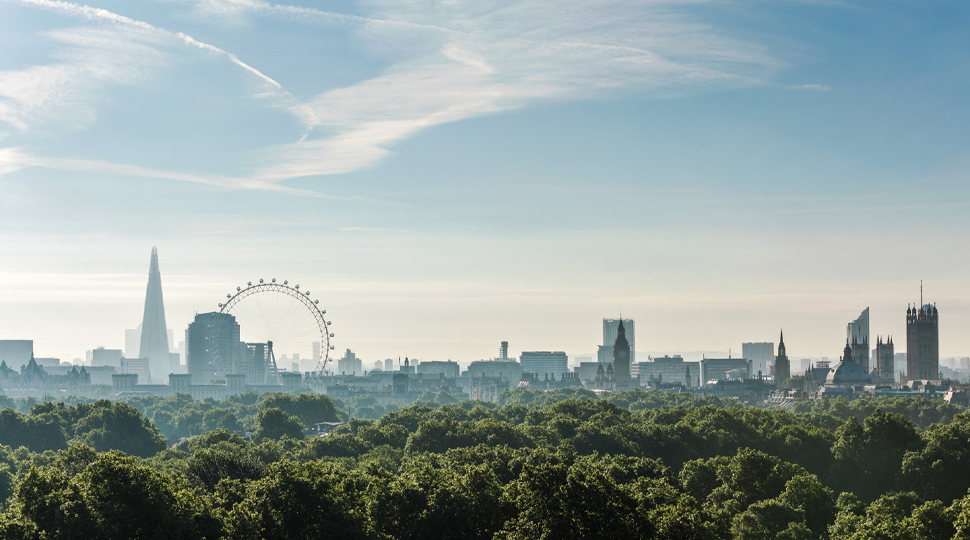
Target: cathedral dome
{"points": [[847, 373]]}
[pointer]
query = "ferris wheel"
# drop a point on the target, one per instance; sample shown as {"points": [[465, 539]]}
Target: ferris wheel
{"points": [[284, 315]]}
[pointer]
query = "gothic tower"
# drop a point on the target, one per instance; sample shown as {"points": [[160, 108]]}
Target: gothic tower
{"points": [[621, 355], [154, 333], [782, 365], [922, 342], [885, 358]]}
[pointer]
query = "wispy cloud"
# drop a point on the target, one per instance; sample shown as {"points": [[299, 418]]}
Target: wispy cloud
{"points": [[815, 87], [124, 51], [370, 229], [499, 57], [452, 61], [65, 93]]}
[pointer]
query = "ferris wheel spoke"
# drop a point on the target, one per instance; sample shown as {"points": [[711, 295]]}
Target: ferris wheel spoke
{"points": [[273, 312]]}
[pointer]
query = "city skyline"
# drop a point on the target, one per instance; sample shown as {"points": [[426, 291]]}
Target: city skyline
{"points": [[446, 177], [152, 299]]}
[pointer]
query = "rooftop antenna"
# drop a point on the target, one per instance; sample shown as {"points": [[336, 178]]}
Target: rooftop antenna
{"points": [[921, 293]]}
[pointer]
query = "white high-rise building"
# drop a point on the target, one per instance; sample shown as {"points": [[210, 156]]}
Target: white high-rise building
{"points": [[760, 354]]}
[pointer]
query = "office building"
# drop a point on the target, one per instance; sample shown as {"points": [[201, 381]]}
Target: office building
{"points": [[716, 369], [16, 352], [133, 342], [135, 366], [760, 354], [542, 363], [503, 351], [857, 335], [670, 369], [350, 364], [212, 347], [106, 357], [388, 364], [154, 333], [922, 342], [437, 368]]}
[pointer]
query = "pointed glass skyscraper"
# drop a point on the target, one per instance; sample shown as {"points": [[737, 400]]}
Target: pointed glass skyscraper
{"points": [[154, 335]]}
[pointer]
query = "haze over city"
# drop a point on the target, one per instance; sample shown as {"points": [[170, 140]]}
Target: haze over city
{"points": [[444, 177]]}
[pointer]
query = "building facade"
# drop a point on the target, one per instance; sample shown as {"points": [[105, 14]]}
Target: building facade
{"points": [[717, 369], [212, 347], [670, 369], [552, 363], [16, 352], [761, 354], [508, 370], [447, 368], [106, 357], [922, 342], [885, 358]]}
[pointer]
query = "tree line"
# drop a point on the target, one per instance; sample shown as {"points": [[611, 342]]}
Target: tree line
{"points": [[562, 464]]}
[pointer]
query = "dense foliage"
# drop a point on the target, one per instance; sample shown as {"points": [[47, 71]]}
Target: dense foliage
{"points": [[563, 464]]}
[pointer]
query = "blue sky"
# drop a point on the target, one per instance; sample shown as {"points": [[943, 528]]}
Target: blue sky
{"points": [[447, 175]]}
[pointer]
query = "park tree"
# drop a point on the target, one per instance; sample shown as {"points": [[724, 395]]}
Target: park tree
{"points": [[428, 502], [273, 423], [301, 501], [867, 457], [939, 470], [308, 408], [119, 426], [113, 498]]}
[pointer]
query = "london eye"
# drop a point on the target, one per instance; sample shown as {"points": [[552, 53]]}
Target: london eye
{"points": [[283, 315]]}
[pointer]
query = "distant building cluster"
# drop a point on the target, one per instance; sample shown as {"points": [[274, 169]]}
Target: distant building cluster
{"points": [[218, 363]]}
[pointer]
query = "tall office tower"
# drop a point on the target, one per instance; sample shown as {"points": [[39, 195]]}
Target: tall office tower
{"points": [[610, 328], [316, 354], [16, 352], [154, 335], [106, 357], [857, 334], [621, 355], [922, 342], [212, 346], [503, 350], [349, 364], [885, 358], [760, 354], [133, 342], [388, 364]]}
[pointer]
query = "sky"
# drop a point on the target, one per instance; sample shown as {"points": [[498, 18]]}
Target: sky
{"points": [[445, 175]]}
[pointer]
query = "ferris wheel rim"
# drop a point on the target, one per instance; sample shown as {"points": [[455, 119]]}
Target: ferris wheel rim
{"points": [[294, 291]]}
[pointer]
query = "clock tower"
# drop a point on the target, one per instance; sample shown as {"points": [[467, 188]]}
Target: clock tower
{"points": [[621, 355]]}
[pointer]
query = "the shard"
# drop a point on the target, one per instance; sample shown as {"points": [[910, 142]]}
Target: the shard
{"points": [[154, 336]]}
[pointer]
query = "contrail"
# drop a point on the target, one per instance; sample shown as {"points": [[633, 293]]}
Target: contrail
{"points": [[91, 13]]}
